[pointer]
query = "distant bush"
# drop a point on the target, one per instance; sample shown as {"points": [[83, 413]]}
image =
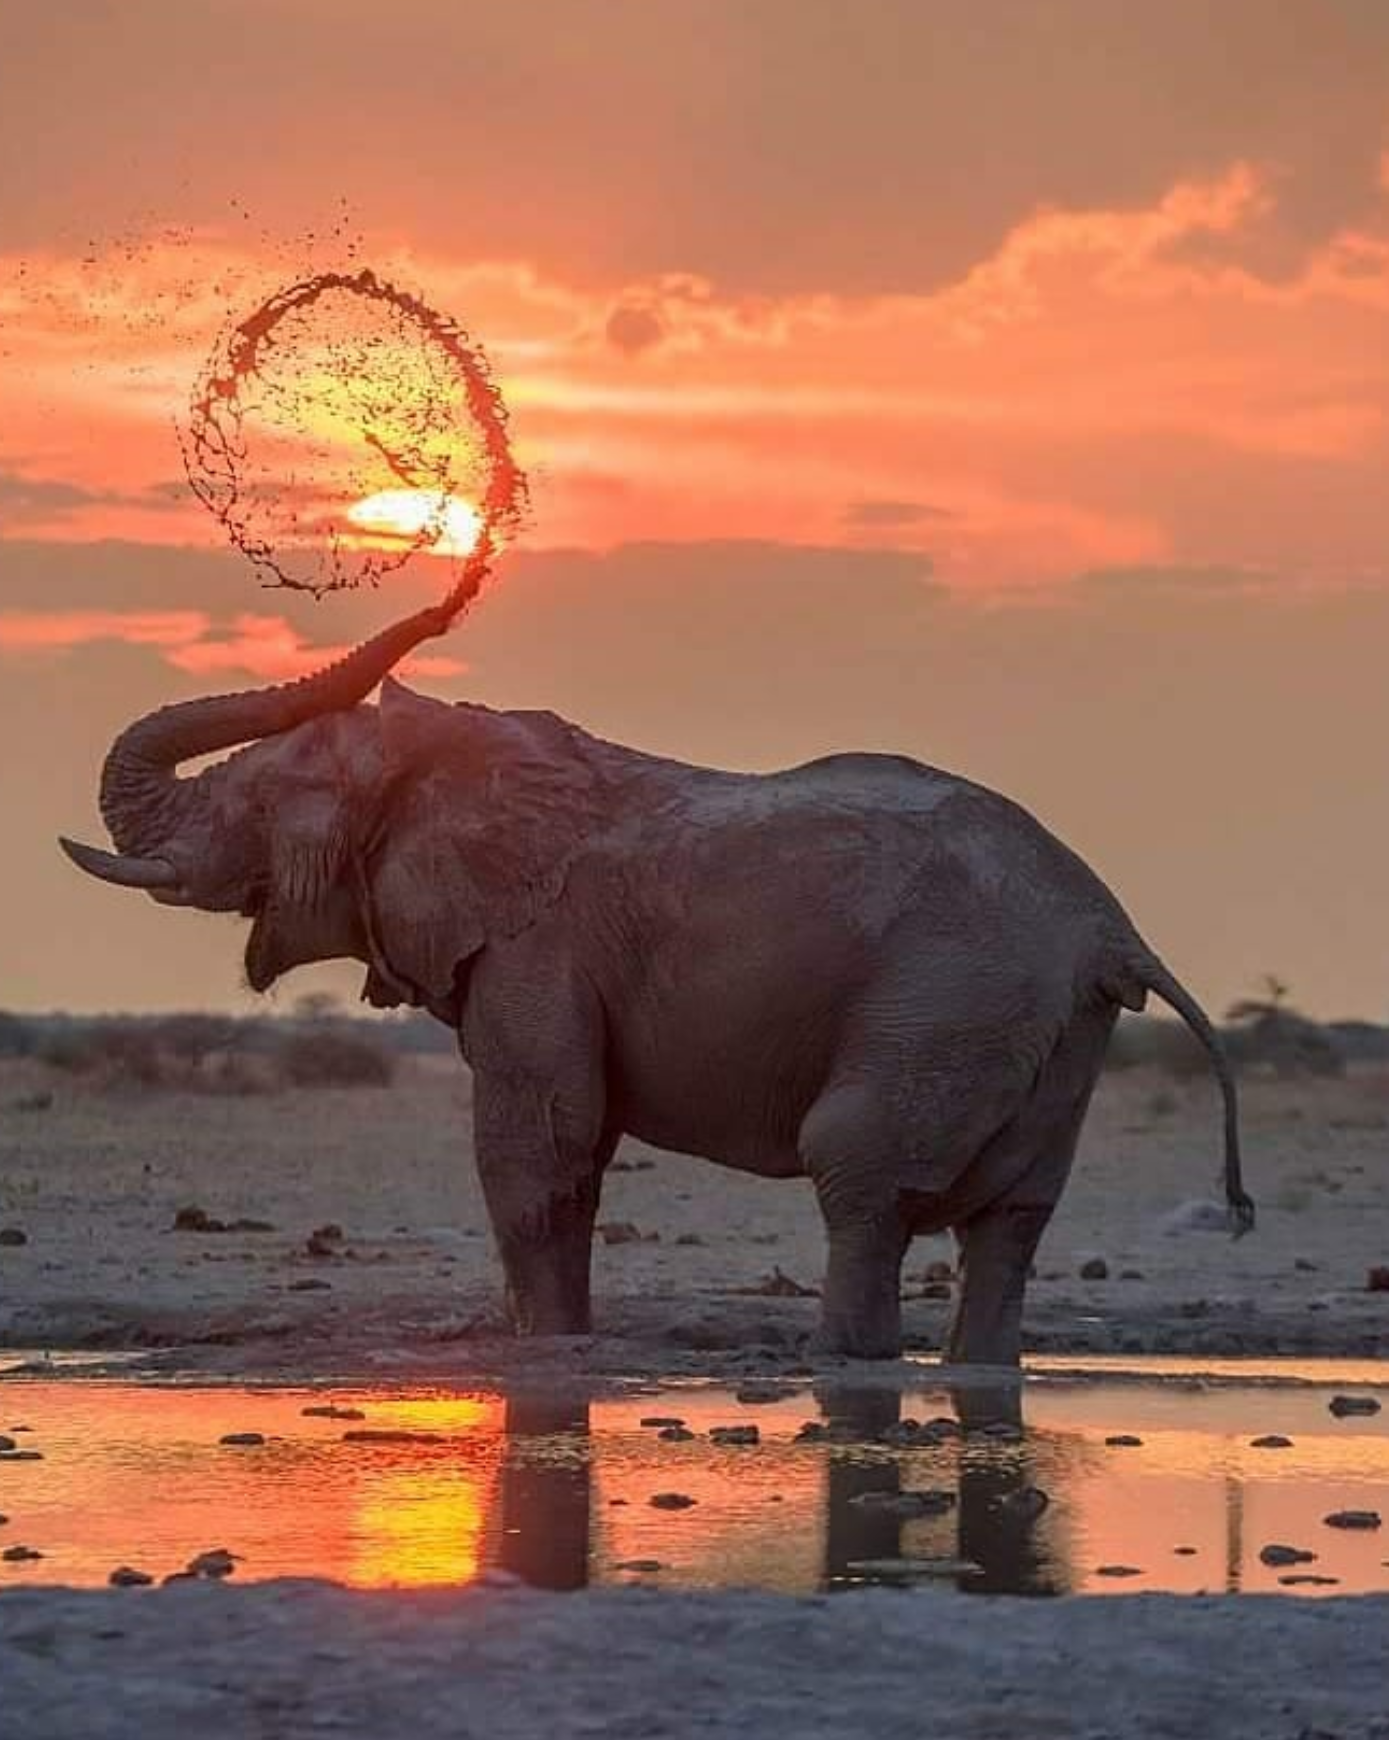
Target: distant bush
{"points": [[331, 1056], [1153, 1042], [17, 1036]]}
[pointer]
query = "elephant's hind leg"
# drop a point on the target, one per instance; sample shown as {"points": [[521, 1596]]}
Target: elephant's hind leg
{"points": [[861, 1312]]}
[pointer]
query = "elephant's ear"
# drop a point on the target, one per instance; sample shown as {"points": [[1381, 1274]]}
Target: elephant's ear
{"points": [[309, 912], [483, 814]]}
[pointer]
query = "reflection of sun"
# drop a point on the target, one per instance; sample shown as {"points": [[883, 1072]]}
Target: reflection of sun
{"points": [[406, 513]]}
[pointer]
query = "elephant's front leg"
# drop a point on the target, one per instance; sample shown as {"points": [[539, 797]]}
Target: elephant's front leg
{"points": [[541, 1160]]}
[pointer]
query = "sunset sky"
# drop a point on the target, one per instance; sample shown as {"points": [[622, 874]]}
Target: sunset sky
{"points": [[1002, 382]]}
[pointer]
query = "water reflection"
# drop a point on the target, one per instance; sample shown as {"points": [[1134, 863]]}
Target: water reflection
{"points": [[556, 1488]]}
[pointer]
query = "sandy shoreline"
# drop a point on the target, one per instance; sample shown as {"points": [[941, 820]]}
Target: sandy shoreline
{"points": [[94, 1180], [293, 1659]]}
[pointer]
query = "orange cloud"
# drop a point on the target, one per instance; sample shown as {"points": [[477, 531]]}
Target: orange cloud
{"points": [[1111, 386], [262, 647]]}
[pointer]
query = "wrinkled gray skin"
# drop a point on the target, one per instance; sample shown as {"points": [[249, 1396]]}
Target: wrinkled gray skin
{"points": [[863, 970]]}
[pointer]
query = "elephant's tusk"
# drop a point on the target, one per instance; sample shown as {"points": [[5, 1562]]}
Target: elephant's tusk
{"points": [[124, 871]]}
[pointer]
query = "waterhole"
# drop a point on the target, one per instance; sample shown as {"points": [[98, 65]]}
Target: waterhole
{"points": [[1092, 1478]]}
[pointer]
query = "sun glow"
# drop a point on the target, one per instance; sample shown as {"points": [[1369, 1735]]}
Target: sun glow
{"points": [[406, 513]]}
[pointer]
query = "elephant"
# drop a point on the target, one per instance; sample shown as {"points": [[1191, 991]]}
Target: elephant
{"points": [[863, 970]]}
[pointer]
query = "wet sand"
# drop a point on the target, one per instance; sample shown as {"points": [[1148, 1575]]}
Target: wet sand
{"points": [[293, 1659], [95, 1180]]}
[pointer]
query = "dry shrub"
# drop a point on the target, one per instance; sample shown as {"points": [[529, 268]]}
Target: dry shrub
{"points": [[333, 1057]]}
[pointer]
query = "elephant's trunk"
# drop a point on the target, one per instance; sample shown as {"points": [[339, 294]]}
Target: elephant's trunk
{"points": [[142, 799]]}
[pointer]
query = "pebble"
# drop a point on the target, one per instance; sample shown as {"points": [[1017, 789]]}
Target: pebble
{"points": [[127, 1577], [938, 1271], [1340, 1406], [1304, 1266], [1276, 1553], [215, 1562], [1184, 1552], [1094, 1269], [1271, 1441], [754, 1394], [20, 1555], [1300, 1577], [671, 1501], [311, 1284], [675, 1434], [3, 1521], [619, 1232], [7, 1443], [331, 1411], [639, 1565], [734, 1435], [662, 1421], [1352, 1519], [13, 1235], [21, 1455], [1377, 1279], [1123, 1441], [1118, 1571], [247, 1439], [689, 1239]]}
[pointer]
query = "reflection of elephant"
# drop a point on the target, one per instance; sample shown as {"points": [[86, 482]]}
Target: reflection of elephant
{"points": [[862, 969], [1013, 1544], [546, 1498]]}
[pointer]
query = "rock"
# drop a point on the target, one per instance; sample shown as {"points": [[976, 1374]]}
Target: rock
{"points": [[812, 1432], [754, 1394], [331, 1411], [662, 1421], [1123, 1441], [1298, 1578], [925, 1501], [1094, 1269], [1377, 1279], [311, 1284], [315, 1245], [734, 1435], [1303, 1266], [1118, 1571], [3, 1521], [216, 1562], [20, 1555], [619, 1232], [1184, 1552], [1344, 1405], [1271, 1441], [779, 1286], [1276, 1553], [938, 1271], [1027, 1502], [675, 1434], [1002, 1431], [13, 1235], [330, 1233], [127, 1577], [1352, 1519], [179, 1577], [7, 1443], [21, 1455], [242, 1440], [689, 1239], [671, 1501], [644, 1565], [935, 1290], [198, 1220]]}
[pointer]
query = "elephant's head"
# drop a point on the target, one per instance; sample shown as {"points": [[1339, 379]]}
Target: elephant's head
{"points": [[401, 836]]}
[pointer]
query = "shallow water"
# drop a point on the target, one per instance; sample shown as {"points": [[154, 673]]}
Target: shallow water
{"points": [[557, 1489]]}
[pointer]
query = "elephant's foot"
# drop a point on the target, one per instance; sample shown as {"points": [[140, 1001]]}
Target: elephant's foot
{"points": [[861, 1313], [996, 1250], [547, 1276]]}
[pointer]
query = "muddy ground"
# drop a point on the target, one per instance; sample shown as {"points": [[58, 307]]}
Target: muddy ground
{"points": [[93, 1180]]}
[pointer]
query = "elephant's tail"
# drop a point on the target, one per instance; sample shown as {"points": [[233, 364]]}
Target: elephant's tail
{"points": [[1153, 976]]}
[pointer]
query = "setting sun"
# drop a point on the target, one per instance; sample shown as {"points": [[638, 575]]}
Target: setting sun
{"points": [[405, 513]]}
